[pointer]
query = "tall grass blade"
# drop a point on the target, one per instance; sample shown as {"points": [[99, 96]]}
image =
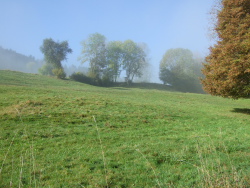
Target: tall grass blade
{"points": [[103, 155]]}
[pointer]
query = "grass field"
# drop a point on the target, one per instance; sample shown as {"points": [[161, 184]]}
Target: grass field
{"points": [[61, 133]]}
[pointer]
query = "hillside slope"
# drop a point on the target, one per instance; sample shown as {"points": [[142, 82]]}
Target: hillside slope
{"points": [[60, 133]]}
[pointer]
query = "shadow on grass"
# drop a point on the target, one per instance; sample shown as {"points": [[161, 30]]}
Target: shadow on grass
{"points": [[242, 110]]}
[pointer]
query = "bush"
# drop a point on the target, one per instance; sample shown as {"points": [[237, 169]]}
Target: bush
{"points": [[59, 73], [106, 81], [80, 77], [46, 70]]}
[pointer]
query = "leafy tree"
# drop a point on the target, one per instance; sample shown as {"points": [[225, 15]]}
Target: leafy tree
{"points": [[94, 51], [179, 69], [227, 72], [107, 60], [147, 69], [133, 59], [114, 59], [55, 53]]}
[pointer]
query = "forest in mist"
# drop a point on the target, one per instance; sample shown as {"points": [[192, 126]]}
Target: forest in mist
{"points": [[12, 60]]}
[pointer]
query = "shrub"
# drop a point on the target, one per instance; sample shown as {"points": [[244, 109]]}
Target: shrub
{"points": [[46, 69], [59, 73], [105, 81], [80, 77]]}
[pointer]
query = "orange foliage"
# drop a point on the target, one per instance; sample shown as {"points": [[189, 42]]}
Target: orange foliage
{"points": [[227, 72]]}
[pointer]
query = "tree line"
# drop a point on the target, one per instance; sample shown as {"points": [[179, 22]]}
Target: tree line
{"points": [[11, 60], [226, 71], [109, 60]]}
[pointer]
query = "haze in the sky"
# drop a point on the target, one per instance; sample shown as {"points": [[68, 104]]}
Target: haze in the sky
{"points": [[161, 24]]}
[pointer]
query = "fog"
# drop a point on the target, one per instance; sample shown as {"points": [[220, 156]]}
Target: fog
{"points": [[12, 60], [161, 25]]}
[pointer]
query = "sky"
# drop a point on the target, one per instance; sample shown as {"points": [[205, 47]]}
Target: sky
{"points": [[161, 24]]}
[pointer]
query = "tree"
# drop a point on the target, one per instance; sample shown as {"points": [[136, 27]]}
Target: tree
{"points": [[147, 69], [114, 59], [54, 54], [94, 52], [108, 59], [133, 60], [178, 68], [227, 72]]}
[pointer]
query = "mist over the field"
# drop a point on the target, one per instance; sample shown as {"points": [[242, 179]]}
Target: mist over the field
{"points": [[161, 25]]}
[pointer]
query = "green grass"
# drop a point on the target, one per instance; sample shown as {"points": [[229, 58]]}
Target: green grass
{"points": [[60, 133]]}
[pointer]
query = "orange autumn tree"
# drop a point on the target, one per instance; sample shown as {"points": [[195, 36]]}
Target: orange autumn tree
{"points": [[227, 71]]}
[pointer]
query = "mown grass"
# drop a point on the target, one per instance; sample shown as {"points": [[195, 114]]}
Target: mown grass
{"points": [[149, 137]]}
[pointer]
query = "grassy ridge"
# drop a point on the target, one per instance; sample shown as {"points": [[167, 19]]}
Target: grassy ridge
{"points": [[149, 137]]}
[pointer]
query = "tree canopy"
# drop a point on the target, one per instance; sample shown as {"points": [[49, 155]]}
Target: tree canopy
{"points": [[114, 59], [94, 51], [54, 54], [133, 59], [227, 72], [179, 69], [108, 59]]}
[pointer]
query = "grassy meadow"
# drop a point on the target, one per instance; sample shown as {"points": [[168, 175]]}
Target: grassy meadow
{"points": [[61, 133]]}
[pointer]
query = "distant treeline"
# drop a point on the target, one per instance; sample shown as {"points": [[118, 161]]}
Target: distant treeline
{"points": [[12, 60]]}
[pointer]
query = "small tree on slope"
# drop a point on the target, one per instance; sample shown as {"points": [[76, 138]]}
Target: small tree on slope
{"points": [[55, 53]]}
